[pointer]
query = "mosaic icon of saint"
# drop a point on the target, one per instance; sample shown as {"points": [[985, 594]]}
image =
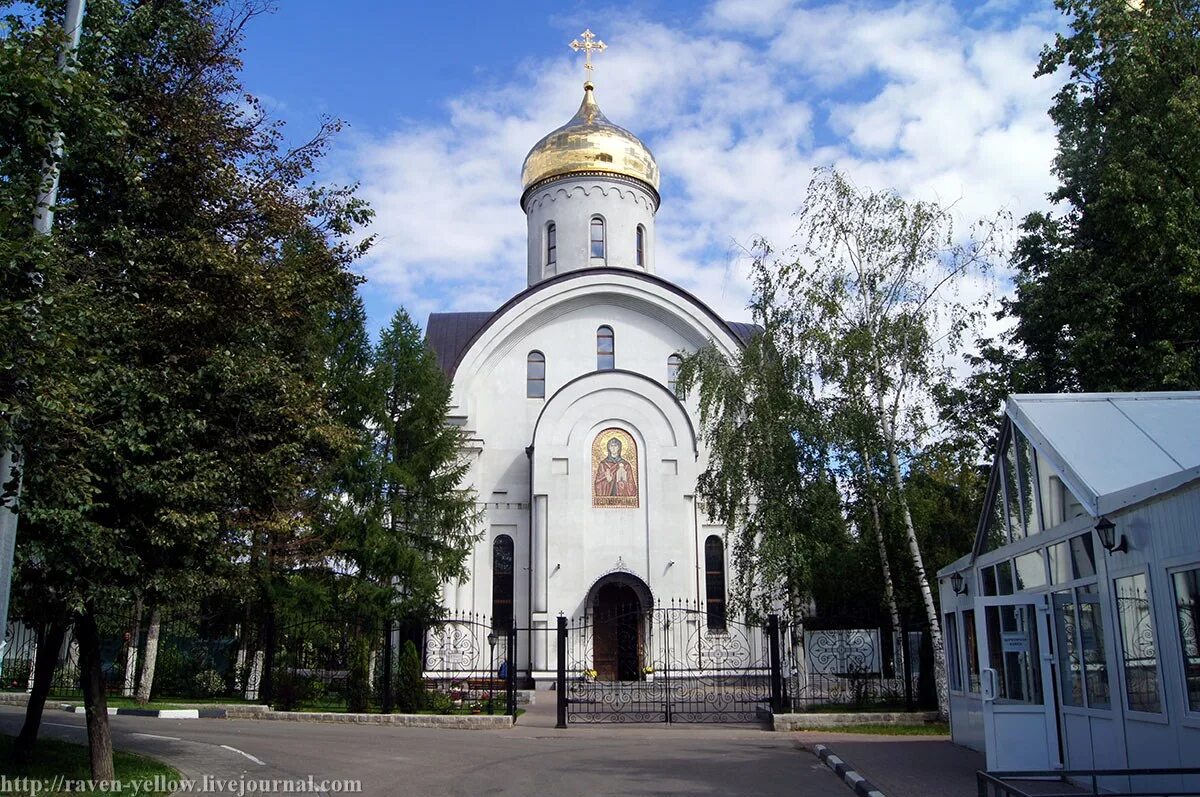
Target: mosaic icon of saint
{"points": [[614, 474]]}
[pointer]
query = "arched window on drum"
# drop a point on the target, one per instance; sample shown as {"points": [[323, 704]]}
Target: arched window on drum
{"points": [[596, 242]]}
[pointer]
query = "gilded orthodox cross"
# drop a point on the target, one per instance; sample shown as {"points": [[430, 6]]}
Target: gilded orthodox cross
{"points": [[589, 44]]}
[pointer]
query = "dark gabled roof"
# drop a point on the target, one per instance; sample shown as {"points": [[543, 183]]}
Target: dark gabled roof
{"points": [[451, 334], [744, 331]]}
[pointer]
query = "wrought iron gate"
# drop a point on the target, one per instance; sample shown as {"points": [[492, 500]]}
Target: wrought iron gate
{"points": [[667, 664]]}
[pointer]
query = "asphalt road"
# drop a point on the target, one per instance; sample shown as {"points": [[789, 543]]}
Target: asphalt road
{"points": [[529, 760]]}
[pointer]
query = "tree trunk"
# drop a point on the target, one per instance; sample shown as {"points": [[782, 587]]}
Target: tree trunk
{"points": [[914, 548], [95, 700], [131, 650], [146, 685], [799, 653], [889, 593], [49, 643]]}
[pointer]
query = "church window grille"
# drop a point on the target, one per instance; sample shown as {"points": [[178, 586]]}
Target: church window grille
{"points": [[641, 246], [597, 238], [551, 245], [502, 583], [674, 363], [606, 358], [535, 375], [714, 582]]}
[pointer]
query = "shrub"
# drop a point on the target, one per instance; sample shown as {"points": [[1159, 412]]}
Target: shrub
{"points": [[290, 690], [439, 702], [16, 674], [316, 690], [174, 673], [208, 683], [358, 681], [410, 686]]}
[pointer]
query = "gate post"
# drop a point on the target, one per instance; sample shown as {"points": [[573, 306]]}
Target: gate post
{"points": [[511, 671], [776, 666], [562, 672]]}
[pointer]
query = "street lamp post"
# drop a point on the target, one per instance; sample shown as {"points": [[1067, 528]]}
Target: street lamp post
{"points": [[492, 671]]}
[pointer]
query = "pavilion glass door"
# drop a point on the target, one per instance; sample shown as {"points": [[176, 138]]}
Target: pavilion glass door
{"points": [[1013, 635]]}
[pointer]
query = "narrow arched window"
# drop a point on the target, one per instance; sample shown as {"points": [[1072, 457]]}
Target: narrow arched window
{"points": [[535, 375], [502, 583], [597, 237], [606, 357], [714, 582], [551, 245], [641, 246], [674, 363]]}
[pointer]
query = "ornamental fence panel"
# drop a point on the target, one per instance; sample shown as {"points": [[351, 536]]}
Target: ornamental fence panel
{"points": [[856, 663], [855, 666]]}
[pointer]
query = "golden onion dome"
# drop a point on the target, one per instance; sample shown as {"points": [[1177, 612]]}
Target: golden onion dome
{"points": [[589, 143]]}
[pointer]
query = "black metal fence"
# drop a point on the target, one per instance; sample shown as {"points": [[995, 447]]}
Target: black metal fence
{"points": [[670, 663], [195, 659], [675, 663], [1093, 782], [339, 662]]}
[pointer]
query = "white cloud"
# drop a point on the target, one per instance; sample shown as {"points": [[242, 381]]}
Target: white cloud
{"points": [[912, 96]]}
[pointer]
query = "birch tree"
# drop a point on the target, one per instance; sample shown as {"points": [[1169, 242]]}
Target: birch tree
{"points": [[883, 275], [768, 480], [856, 436]]}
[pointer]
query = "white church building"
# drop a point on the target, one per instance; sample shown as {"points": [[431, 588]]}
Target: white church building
{"points": [[583, 454]]}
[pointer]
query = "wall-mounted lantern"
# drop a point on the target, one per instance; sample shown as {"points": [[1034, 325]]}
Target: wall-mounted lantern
{"points": [[958, 584], [1112, 542]]}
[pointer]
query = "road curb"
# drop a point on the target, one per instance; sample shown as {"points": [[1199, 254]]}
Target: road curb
{"points": [[456, 721], [162, 713], [253, 712], [805, 721], [862, 787]]}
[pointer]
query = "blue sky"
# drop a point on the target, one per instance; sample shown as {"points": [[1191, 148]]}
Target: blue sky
{"points": [[739, 100]]}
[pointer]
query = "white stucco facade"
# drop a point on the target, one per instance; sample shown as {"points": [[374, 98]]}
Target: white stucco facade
{"points": [[532, 449]]}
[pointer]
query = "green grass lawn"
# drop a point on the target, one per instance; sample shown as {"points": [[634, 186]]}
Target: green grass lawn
{"points": [[879, 729], [846, 708], [170, 702], [54, 759]]}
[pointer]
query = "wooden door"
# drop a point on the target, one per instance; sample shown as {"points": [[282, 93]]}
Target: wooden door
{"points": [[616, 634]]}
